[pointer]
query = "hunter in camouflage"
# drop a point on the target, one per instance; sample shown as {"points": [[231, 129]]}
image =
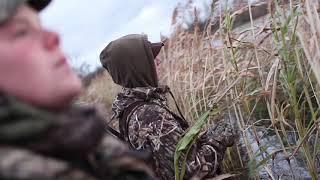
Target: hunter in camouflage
{"points": [[42, 135], [145, 120]]}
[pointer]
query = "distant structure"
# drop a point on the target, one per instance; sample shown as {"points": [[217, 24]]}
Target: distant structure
{"points": [[208, 12]]}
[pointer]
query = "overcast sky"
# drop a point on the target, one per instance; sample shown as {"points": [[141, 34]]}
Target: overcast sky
{"points": [[87, 26]]}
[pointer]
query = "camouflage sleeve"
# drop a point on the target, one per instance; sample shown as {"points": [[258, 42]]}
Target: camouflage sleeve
{"points": [[19, 164], [114, 160], [153, 128]]}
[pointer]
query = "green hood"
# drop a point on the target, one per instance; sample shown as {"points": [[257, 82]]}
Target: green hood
{"points": [[130, 62]]}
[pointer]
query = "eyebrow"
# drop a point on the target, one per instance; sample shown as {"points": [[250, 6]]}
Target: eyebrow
{"points": [[24, 21]]}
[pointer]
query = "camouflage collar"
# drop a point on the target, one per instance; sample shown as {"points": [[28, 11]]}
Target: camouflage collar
{"points": [[72, 131], [145, 94], [12, 125]]}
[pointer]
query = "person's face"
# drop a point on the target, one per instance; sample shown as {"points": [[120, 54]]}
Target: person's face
{"points": [[156, 48], [157, 62], [32, 66]]}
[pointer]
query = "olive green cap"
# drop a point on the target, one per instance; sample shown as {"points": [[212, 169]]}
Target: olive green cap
{"points": [[9, 7]]}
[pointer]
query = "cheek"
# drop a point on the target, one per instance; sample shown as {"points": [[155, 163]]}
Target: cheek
{"points": [[21, 66], [28, 72], [20, 55]]}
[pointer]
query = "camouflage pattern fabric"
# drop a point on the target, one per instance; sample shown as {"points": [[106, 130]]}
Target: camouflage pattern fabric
{"points": [[18, 163], [151, 127], [69, 145]]}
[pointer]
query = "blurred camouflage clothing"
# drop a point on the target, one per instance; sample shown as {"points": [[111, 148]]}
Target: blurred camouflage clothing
{"points": [[145, 120], [151, 126], [72, 145]]}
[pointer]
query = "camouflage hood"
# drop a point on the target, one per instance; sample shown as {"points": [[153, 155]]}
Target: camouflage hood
{"points": [[130, 62], [70, 133], [142, 94]]}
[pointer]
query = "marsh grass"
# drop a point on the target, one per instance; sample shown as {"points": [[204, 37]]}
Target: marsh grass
{"points": [[270, 70]]}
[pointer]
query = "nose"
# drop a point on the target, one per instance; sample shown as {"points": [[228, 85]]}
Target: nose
{"points": [[51, 39]]}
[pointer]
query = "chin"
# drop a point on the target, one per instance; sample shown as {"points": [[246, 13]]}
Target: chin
{"points": [[68, 92], [73, 89]]}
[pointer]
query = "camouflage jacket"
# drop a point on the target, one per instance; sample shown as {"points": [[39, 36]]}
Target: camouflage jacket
{"points": [[151, 126], [72, 145]]}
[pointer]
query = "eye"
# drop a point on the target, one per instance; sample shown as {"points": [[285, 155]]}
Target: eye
{"points": [[21, 32]]}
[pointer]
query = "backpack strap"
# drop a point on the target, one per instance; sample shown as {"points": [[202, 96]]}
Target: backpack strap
{"points": [[181, 120], [114, 132], [184, 122]]}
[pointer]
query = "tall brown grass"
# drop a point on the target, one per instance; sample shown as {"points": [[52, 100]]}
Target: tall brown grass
{"points": [[266, 70], [100, 92]]}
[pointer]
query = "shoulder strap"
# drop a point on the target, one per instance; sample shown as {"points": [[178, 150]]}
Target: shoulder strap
{"points": [[183, 122], [114, 132]]}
